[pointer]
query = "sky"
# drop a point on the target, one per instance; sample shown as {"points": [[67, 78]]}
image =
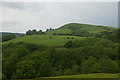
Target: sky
{"points": [[19, 17]]}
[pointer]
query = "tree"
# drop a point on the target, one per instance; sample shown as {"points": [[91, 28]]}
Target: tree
{"points": [[34, 31], [31, 47], [67, 37], [4, 76], [11, 61], [72, 38], [47, 30], [69, 44], [50, 29], [107, 65], [50, 37], [90, 65], [75, 69], [68, 71], [29, 32], [39, 32], [25, 69], [45, 69]]}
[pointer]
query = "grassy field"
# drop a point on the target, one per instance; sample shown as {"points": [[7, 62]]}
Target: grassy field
{"points": [[97, 75], [90, 28], [64, 31], [45, 39]]}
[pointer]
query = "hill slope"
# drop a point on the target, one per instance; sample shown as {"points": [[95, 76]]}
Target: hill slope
{"points": [[68, 30], [79, 29], [45, 39]]}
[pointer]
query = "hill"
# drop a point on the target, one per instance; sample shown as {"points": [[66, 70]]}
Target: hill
{"points": [[80, 29], [45, 39], [60, 36]]}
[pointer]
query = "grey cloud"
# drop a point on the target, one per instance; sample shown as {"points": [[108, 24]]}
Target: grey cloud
{"points": [[14, 5], [19, 17], [32, 6]]}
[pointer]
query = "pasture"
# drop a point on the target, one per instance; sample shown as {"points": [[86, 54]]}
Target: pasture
{"points": [[95, 76], [49, 40]]}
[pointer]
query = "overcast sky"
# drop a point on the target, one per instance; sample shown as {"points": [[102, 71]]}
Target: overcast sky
{"points": [[21, 16]]}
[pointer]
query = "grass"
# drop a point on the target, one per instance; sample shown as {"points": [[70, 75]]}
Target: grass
{"points": [[64, 31], [97, 75], [90, 28], [45, 40]]}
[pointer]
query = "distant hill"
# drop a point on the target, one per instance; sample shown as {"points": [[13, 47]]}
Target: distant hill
{"points": [[16, 34], [80, 29]]}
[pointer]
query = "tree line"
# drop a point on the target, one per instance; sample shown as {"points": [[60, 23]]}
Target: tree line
{"points": [[34, 31], [110, 35]]}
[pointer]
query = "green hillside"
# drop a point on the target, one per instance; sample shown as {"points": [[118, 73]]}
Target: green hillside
{"points": [[45, 39], [69, 30], [76, 27], [71, 51]]}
